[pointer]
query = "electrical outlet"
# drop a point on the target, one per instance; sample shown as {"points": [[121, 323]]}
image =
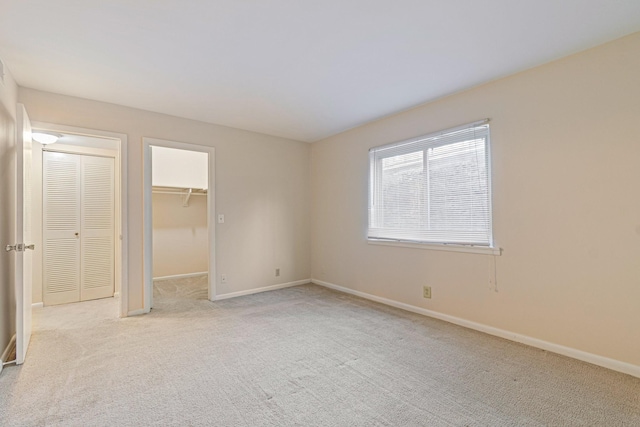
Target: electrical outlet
{"points": [[426, 291], [277, 272], [223, 278]]}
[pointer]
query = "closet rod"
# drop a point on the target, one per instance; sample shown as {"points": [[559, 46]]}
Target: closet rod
{"points": [[186, 193]]}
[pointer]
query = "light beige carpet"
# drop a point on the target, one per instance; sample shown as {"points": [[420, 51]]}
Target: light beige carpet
{"points": [[303, 356]]}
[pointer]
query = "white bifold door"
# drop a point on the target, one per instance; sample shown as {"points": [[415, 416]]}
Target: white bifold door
{"points": [[78, 227]]}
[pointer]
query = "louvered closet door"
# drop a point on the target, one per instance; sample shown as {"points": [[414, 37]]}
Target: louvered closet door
{"points": [[78, 227], [61, 227], [97, 228]]}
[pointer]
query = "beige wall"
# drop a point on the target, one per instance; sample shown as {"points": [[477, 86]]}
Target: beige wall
{"points": [[566, 179], [262, 187], [179, 235], [8, 95]]}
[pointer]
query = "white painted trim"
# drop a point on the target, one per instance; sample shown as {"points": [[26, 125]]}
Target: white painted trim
{"points": [[122, 244], [263, 289], [437, 246], [37, 305], [147, 250], [116, 294], [181, 276], [78, 149], [615, 365], [7, 351], [137, 312]]}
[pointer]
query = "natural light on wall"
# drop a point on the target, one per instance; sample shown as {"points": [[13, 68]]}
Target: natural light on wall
{"points": [[433, 189]]}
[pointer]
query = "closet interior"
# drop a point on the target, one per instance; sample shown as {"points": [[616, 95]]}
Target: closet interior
{"points": [[180, 228]]}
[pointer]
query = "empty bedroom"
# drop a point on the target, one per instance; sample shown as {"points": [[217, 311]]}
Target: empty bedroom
{"points": [[347, 213]]}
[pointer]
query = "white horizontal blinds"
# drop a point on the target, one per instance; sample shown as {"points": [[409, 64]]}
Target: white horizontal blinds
{"points": [[433, 189]]}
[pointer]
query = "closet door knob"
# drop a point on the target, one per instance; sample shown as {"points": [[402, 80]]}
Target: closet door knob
{"points": [[77, 234]]}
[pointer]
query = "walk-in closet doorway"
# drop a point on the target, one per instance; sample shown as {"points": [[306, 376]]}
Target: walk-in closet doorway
{"points": [[179, 211]]}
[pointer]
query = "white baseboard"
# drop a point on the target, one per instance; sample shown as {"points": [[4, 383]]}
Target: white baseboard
{"points": [[264, 289], [181, 276], [37, 305], [7, 351], [116, 294], [615, 365]]}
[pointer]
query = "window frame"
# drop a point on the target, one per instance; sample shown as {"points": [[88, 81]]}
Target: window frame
{"points": [[424, 143]]}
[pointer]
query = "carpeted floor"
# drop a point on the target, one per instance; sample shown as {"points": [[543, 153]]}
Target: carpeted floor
{"points": [[303, 356]]}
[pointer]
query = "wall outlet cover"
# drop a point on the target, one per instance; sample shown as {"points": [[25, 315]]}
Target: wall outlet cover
{"points": [[426, 291]]}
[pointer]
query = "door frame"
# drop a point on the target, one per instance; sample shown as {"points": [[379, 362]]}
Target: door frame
{"points": [[147, 250], [121, 243]]}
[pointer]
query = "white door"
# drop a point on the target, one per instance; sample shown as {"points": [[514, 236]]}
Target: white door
{"points": [[23, 246], [61, 227], [97, 264], [78, 227]]}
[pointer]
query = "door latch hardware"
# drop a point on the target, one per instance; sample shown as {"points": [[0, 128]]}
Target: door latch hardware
{"points": [[19, 247]]}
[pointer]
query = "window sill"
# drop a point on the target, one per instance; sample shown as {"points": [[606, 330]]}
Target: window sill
{"points": [[438, 247]]}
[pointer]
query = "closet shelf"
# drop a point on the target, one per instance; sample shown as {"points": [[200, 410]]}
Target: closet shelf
{"points": [[186, 193]]}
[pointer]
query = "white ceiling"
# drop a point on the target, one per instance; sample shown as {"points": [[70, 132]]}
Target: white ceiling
{"points": [[299, 69]]}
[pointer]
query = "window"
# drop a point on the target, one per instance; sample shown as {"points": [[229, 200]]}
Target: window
{"points": [[433, 189]]}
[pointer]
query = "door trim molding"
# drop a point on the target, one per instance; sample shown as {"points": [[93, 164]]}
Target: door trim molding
{"points": [[7, 351], [122, 243], [147, 250]]}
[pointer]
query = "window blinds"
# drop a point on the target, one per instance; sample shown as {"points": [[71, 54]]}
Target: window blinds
{"points": [[433, 189]]}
